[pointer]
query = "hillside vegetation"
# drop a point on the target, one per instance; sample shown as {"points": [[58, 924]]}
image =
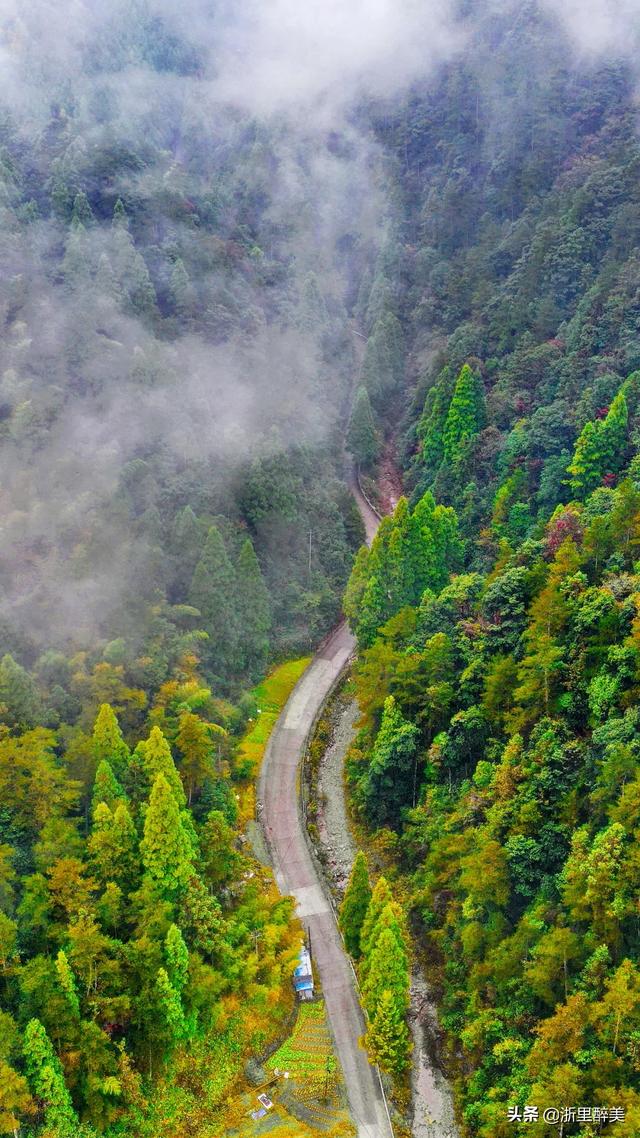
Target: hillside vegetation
{"points": [[498, 611]]}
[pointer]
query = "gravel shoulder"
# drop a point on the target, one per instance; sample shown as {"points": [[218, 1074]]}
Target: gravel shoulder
{"points": [[433, 1114]]}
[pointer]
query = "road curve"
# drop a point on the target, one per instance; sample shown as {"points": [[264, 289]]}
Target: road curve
{"points": [[296, 873]]}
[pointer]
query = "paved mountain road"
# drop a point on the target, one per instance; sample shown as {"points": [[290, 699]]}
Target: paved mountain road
{"points": [[296, 873]]}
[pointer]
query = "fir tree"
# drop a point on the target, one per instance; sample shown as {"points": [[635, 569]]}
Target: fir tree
{"points": [[82, 213], [253, 607], [362, 437], [213, 593], [176, 956], [600, 448], [108, 744], [380, 898], [169, 1015], [388, 970], [355, 904], [387, 1039], [45, 1077], [157, 757], [187, 540], [67, 982], [466, 415], [106, 787], [390, 782], [166, 849]]}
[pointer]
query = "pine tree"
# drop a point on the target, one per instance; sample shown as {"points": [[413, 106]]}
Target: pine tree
{"points": [[388, 970], [600, 448], [195, 744], [434, 416], [213, 593], [380, 898], [113, 845], [46, 1080], [187, 540], [390, 781], [363, 440], [355, 904], [166, 849], [387, 1039], [182, 291], [82, 213], [157, 757], [176, 956], [106, 787], [120, 218], [466, 415], [253, 607], [108, 744], [67, 982], [170, 1025]]}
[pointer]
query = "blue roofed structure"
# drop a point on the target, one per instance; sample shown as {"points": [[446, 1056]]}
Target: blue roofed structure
{"points": [[303, 976]]}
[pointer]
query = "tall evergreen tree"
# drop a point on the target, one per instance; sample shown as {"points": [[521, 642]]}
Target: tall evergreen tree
{"points": [[387, 1039], [157, 757], [106, 787], [67, 982], [363, 440], [381, 896], [600, 448], [390, 783], [253, 608], [355, 904], [213, 593], [176, 956], [108, 743], [467, 413], [166, 849], [45, 1077]]}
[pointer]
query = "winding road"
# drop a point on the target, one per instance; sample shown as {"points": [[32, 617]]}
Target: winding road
{"points": [[296, 873]]}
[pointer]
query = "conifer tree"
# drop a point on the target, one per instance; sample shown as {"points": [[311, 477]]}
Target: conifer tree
{"points": [[600, 448], [195, 744], [176, 956], [466, 415], [108, 744], [187, 540], [388, 970], [182, 290], [45, 1077], [355, 904], [67, 982], [169, 1015], [380, 898], [106, 787], [213, 593], [390, 780], [387, 1039], [113, 846], [253, 607], [157, 757], [82, 213], [363, 440], [166, 849]]}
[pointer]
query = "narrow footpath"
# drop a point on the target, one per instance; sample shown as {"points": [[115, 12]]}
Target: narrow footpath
{"points": [[296, 873]]}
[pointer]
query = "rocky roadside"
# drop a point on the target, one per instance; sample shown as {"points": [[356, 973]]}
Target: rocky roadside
{"points": [[433, 1115]]}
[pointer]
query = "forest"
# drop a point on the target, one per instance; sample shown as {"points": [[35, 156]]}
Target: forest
{"points": [[218, 300], [498, 611]]}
